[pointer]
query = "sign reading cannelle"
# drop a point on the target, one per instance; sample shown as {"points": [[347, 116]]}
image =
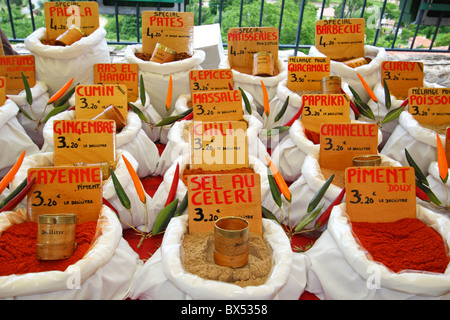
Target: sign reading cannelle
{"points": [[72, 189], [91, 100], [84, 141], [2, 91], [118, 73], [306, 73], [217, 105], [400, 76], [12, 67], [214, 196], [380, 194], [210, 80], [340, 142], [174, 30], [60, 15], [430, 105]]}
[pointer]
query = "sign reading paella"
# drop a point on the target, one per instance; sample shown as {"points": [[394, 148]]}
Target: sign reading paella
{"points": [[306, 73], [400, 76], [430, 105]]}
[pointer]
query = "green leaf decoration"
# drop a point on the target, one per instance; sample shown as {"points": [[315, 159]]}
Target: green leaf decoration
{"points": [[283, 110], [142, 90], [172, 119], [55, 111], [430, 194], [393, 114], [246, 102], [268, 214], [276, 130], [124, 200], [355, 95], [137, 111], [308, 218], [65, 98], [364, 109], [276, 194], [29, 96], [418, 173], [319, 195], [26, 114], [387, 95]]}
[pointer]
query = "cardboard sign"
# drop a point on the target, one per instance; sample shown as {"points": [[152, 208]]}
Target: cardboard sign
{"points": [[211, 80], [60, 15], [243, 43], [324, 108], [12, 67], [2, 52], [340, 39], [119, 73], [380, 194], [306, 73], [70, 189], [91, 100], [2, 90], [400, 76], [84, 141], [172, 29], [217, 105], [340, 142], [219, 195], [430, 105], [218, 145], [447, 145]]}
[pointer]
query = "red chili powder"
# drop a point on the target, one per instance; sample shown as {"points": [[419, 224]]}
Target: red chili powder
{"points": [[406, 244], [18, 249], [312, 136]]}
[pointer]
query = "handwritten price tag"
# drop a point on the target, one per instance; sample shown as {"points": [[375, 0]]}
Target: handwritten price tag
{"points": [[306, 73], [219, 195], [12, 67], [118, 73], [400, 76], [65, 190], [2, 90], [380, 194], [210, 80], [430, 105], [217, 105]]}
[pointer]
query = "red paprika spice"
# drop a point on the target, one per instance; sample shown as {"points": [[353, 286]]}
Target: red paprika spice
{"points": [[18, 249], [405, 244]]}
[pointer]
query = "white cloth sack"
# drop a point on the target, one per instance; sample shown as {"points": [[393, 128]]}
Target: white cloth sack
{"points": [[354, 276], [441, 190], [156, 76], [55, 65], [163, 276], [252, 84], [371, 72], [106, 272], [138, 209], [420, 142], [37, 110], [13, 137], [131, 138], [290, 153]]}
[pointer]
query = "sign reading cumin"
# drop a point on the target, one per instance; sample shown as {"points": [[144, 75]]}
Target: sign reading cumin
{"points": [[210, 80], [400, 76], [306, 73], [217, 105], [68, 189], [118, 73], [380, 194], [12, 67], [84, 141], [430, 105], [219, 195]]}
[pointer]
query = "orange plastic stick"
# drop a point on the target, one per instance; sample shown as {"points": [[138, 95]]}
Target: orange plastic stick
{"points": [[11, 173], [169, 93], [279, 179], [266, 99], [136, 181], [368, 89], [60, 92], [442, 159]]}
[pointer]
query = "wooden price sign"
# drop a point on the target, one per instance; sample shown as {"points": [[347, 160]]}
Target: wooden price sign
{"points": [[324, 108], [2, 90], [380, 194], [306, 73], [211, 80], [217, 105], [60, 15], [12, 67], [119, 73], [68, 189], [400, 76], [447, 145], [429, 105], [218, 145], [219, 195], [91, 100], [2, 52], [243, 43], [340, 142], [340, 39], [172, 29], [84, 141]]}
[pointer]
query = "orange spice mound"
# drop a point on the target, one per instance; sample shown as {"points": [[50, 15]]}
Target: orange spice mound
{"points": [[405, 244], [148, 56], [187, 172], [18, 249]]}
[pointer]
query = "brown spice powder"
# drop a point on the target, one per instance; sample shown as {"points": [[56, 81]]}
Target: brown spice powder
{"points": [[198, 259], [147, 56], [441, 129]]}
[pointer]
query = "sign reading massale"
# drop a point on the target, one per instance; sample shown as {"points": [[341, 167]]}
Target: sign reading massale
{"points": [[74, 189], [12, 67], [172, 29], [91, 100], [118, 73], [217, 105], [218, 195], [60, 15], [380, 194], [400, 76]]}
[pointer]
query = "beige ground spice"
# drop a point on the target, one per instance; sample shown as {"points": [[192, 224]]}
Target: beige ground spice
{"points": [[441, 129], [198, 259]]}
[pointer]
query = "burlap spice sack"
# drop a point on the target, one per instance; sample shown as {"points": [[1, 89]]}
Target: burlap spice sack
{"points": [[156, 76], [38, 111], [55, 65], [354, 275], [131, 138], [13, 137], [105, 272], [371, 72], [164, 276], [418, 139], [138, 209]]}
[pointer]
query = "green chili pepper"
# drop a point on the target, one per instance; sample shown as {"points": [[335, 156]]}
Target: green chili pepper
{"points": [[137, 111], [183, 205], [276, 194], [164, 216], [29, 96], [268, 214], [308, 218], [283, 110], [13, 193], [318, 196], [124, 200], [387, 95], [418, 173], [393, 114], [142, 90], [246, 102]]}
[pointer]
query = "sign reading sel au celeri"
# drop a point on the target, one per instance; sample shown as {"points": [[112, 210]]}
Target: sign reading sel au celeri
{"points": [[118, 73], [218, 195]]}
